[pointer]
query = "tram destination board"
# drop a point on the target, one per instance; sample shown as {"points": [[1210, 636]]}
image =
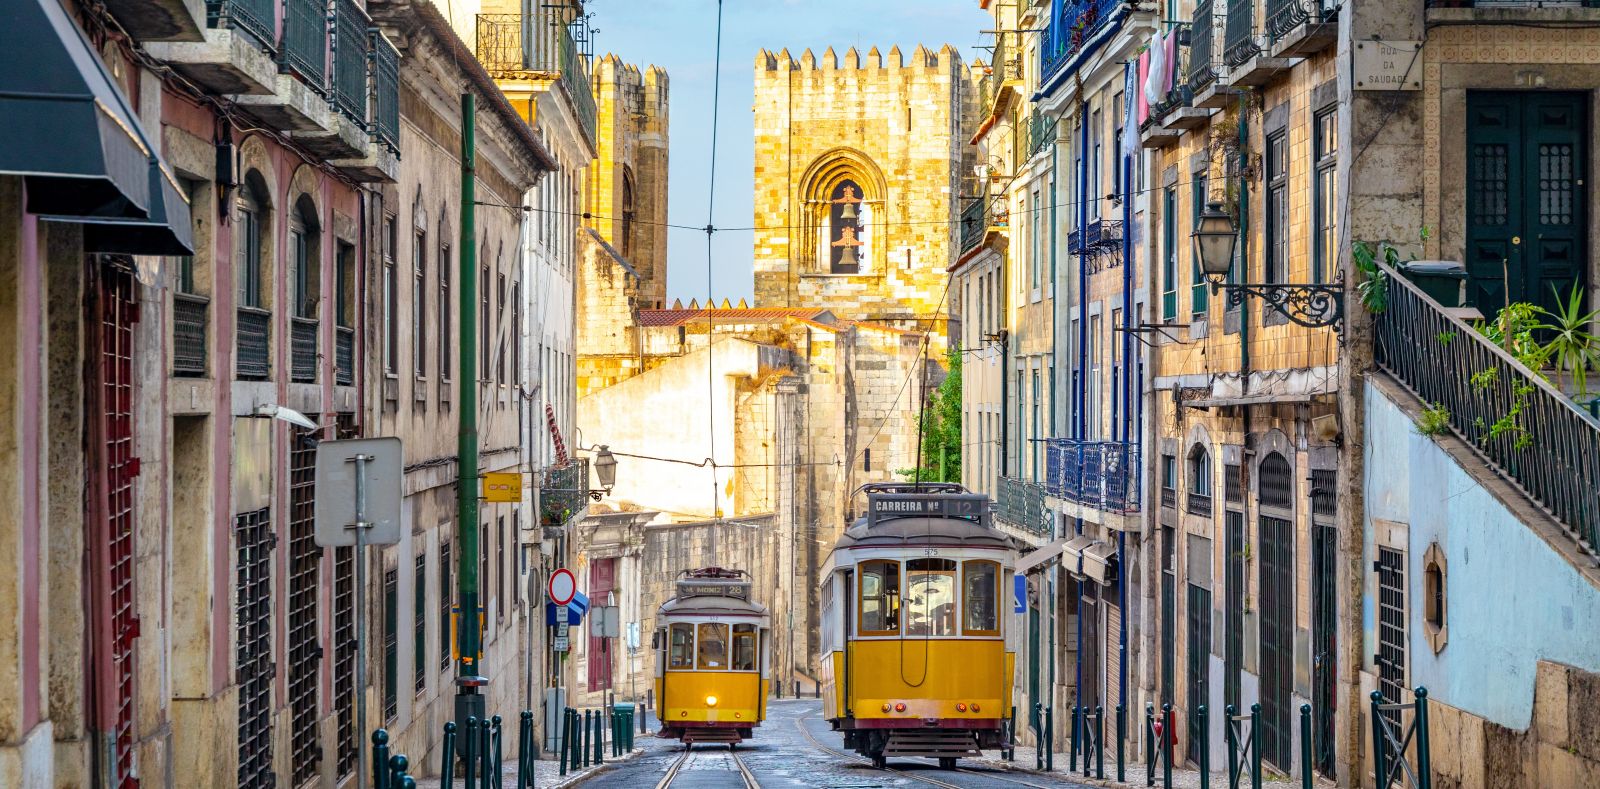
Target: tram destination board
{"points": [[890, 506]]}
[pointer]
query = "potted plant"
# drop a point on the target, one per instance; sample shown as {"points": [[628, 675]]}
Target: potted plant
{"points": [[1571, 349]]}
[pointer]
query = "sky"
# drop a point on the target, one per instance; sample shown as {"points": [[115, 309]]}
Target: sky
{"points": [[680, 36]]}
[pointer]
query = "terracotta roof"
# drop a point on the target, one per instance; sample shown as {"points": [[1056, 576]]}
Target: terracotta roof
{"points": [[682, 317]]}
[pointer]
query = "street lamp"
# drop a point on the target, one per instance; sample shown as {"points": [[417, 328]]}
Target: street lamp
{"points": [[1310, 305], [605, 467]]}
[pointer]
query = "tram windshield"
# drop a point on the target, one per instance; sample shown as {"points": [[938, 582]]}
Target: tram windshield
{"points": [[681, 654], [880, 598], [931, 597], [982, 593], [713, 651], [744, 647]]}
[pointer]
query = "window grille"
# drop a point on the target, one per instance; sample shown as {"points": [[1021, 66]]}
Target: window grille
{"points": [[305, 650]]}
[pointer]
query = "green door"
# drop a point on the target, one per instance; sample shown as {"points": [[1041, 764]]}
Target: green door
{"points": [[1033, 659], [1526, 158]]}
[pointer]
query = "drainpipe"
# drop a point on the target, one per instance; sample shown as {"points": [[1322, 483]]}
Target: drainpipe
{"points": [[1128, 364], [1244, 255], [1081, 426]]}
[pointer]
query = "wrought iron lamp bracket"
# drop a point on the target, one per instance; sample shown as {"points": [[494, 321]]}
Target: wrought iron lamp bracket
{"points": [[1314, 306]]}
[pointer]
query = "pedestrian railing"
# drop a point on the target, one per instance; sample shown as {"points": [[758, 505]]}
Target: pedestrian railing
{"points": [[1244, 746], [1400, 750], [475, 752], [1159, 736], [1093, 739], [1044, 729], [389, 770]]}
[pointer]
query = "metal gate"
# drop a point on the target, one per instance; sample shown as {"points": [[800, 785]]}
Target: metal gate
{"points": [[1233, 599], [1324, 617], [305, 650], [253, 650], [1391, 567], [1198, 649], [112, 468]]}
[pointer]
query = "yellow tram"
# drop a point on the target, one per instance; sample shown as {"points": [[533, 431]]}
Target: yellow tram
{"points": [[711, 659], [914, 659]]}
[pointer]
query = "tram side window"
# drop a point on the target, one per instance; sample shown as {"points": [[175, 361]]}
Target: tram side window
{"points": [[744, 647], [931, 597], [681, 656], [982, 594], [880, 598], [713, 652]]}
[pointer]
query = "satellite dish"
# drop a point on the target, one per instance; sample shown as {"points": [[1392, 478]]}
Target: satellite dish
{"points": [[286, 414]]}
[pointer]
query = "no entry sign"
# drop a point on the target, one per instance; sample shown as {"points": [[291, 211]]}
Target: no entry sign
{"points": [[562, 586]]}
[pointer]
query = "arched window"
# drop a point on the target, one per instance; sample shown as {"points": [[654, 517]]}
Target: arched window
{"points": [[1277, 483], [250, 215], [1199, 500], [849, 229], [625, 228]]}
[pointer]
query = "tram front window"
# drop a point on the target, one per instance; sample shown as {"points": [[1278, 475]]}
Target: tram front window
{"points": [[880, 598], [931, 597], [713, 652], [982, 592], [744, 647], [681, 655]]}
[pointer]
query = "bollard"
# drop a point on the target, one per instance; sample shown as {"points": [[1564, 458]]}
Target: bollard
{"points": [[1122, 743], [599, 739], [1100, 743], [469, 751], [1203, 733], [1038, 729], [527, 750], [447, 767], [643, 719], [1233, 743], [817, 689], [397, 769], [566, 737], [1087, 740], [1150, 744], [1011, 736], [490, 735], [1379, 746], [1424, 750], [1305, 746], [588, 736], [1166, 746], [797, 688], [407, 782], [1050, 738], [1255, 746], [1074, 741], [380, 759]]}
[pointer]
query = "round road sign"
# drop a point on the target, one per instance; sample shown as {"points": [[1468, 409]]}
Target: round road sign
{"points": [[562, 586]]}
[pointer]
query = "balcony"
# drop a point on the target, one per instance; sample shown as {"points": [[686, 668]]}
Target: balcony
{"points": [[1197, 504], [344, 356], [1004, 79], [564, 494], [1022, 506], [238, 51], [1041, 133], [537, 47], [380, 87], [1248, 64], [303, 350], [303, 50], [1099, 475], [978, 219], [1099, 236], [1523, 427], [253, 340], [296, 100], [189, 335], [1079, 23], [1298, 28]]}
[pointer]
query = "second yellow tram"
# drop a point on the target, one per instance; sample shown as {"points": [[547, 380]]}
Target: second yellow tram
{"points": [[711, 659], [914, 658]]}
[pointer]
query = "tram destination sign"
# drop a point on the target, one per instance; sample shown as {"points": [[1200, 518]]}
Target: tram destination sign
{"points": [[889, 506]]}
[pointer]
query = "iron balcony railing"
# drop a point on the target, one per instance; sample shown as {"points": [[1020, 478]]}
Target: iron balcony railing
{"points": [[303, 350], [1284, 16], [1198, 504], [564, 495], [1098, 235], [189, 334], [1006, 67], [1099, 474], [344, 355], [1513, 3], [974, 223], [1514, 419], [254, 334], [1022, 505], [350, 45], [255, 17], [539, 44], [1239, 33], [385, 88], [1075, 25], [1041, 133], [1203, 46], [303, 51]]}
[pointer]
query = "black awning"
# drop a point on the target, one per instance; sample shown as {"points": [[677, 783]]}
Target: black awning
{"points": [[167, 231], [67, 126]]}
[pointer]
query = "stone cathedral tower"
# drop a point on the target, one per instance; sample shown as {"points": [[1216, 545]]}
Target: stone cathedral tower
{"points": [[857, 167]]}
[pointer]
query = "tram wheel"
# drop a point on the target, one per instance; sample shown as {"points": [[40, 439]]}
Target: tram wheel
{"points": [[879, 761], [947, 762]]}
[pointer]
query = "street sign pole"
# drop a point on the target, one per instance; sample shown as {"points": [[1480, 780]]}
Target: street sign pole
{"points": [[360, 527]]}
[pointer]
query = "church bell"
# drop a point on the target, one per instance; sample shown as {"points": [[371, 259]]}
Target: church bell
{"points": [[848, 212]]}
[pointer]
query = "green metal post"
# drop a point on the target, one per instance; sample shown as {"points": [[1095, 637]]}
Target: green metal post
{"points": [[398, 764], [469, 752], [1122, 743], [1205, 746], [1305, 746], [447, 766], [1050, 737], [1424, 751], [1100, 743], [588, 736], [469, 640], [566, 738], [1074, 743], [380, 759], [1038, 736], [1255, 746], [1150, 747], [1166, 747], [1233, 745]]}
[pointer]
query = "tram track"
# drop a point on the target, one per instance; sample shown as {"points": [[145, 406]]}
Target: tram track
{"points": [[992, 774], [688, 753]]}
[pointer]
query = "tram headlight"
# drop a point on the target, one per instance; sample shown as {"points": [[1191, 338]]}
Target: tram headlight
{"points": [[886, 707], [961, 706], [711, 701], [974, 706], [900, 707]]}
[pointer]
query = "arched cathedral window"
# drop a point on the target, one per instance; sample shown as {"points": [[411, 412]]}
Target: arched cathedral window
{"points": [[849, 230]]}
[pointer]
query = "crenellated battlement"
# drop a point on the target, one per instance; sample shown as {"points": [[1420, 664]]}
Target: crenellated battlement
{"points": [[922, 58]]}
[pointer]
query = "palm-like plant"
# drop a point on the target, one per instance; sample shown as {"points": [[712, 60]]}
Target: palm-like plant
{"points": [[1571, 345]]}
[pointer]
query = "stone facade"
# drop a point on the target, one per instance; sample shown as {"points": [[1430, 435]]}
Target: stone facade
{"points": [[889, 129]]}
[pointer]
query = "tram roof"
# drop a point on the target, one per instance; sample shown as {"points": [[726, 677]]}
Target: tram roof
{"points": [[867, 533], [711, 605]]}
